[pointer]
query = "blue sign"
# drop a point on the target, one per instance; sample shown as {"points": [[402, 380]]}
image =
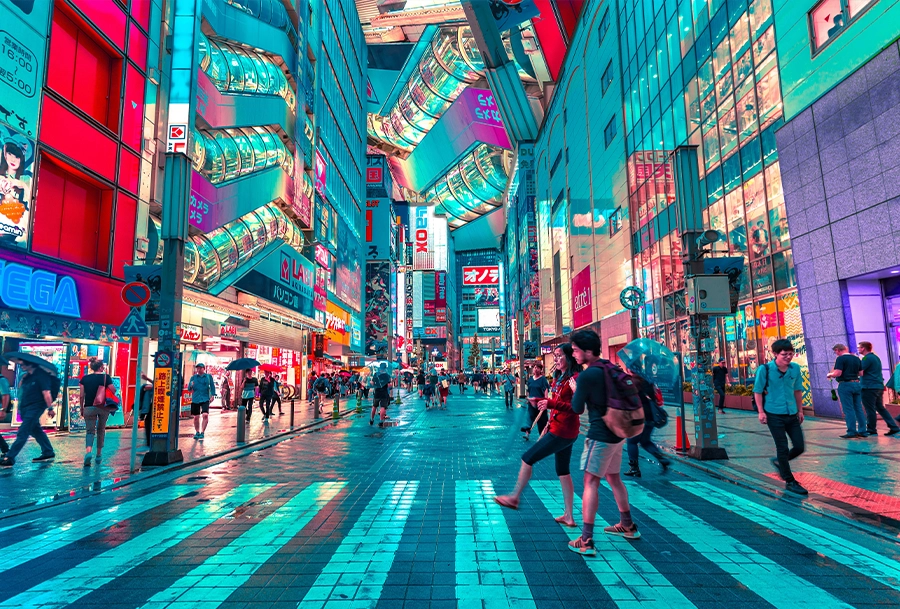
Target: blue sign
{"points": [[285, 278], [134, 325], [30, 289]]}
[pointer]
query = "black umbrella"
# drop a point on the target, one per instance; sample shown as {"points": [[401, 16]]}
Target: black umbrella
{"points": [[29, 358], [242, 363]]}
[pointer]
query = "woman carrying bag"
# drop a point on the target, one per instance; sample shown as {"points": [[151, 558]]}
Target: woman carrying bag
{"points": [[98, 401], [248, 392]]}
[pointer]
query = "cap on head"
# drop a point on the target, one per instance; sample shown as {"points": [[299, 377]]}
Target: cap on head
{"points": [[201, 365]]}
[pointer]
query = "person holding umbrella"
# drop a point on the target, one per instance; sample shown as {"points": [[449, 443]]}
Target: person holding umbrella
{"points": [[35, 395], [248, 381]]}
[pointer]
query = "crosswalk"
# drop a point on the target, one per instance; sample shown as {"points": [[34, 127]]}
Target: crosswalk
{"points": [[262, 525]]}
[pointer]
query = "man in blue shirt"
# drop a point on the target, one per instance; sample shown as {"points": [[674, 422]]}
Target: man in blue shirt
{"points": [[778, 392], [203, 390]]}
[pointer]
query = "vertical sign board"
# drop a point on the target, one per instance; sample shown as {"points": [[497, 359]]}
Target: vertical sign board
{"points": [[23, 41], [162, 395], [582, 303]]}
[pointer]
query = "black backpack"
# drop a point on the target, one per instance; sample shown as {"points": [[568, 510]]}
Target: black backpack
{"points": [[381, 380]]}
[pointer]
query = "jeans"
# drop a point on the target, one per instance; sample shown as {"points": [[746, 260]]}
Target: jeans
{"points": [[95, 420], [248, 404], [508, 398], [266, 402], [643, 439], [31, 426], [720, 389], [782, 426], [850, 394], [873, 402]]}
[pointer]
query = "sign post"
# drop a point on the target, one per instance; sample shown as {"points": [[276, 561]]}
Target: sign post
{"points": [[136, 295]]}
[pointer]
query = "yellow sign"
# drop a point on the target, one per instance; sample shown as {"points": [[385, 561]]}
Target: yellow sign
{"points": [[162, 387]]}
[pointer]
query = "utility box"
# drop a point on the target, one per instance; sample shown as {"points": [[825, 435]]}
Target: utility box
{"points": [[708, 295]]}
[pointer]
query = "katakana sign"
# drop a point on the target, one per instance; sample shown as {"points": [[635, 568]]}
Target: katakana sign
{"points": [[481, 275]]}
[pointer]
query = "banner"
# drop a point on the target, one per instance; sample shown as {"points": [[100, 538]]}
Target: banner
{"points": [[347, 273], [378, 309], [16, 184], [285, 278], [487, 297], [582, 304], [440, 288], [337, 324]]}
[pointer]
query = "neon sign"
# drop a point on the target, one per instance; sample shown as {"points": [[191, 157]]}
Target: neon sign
{"points": [[30, 289]]}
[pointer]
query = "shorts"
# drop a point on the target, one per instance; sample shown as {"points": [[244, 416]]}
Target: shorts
{"points": [[551, 445], [444, 391], [198, 407], [429, 390], [381, 402], [600, 458]]}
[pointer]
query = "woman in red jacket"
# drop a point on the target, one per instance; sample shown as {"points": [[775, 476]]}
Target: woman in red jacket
{"points": [[560, 435]]}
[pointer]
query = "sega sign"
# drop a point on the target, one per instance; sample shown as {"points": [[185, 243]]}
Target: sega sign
{"points": [[30, 289]]}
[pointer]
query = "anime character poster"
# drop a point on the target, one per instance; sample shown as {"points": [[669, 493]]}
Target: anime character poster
{"points": [[378, 308], [16, 176]]}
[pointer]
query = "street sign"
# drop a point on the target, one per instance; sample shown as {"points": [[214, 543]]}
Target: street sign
{"points": [[135, 294], [134, 325]]}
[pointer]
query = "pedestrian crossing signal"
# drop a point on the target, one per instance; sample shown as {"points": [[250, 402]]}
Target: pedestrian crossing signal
{"points": [[134, 325]]}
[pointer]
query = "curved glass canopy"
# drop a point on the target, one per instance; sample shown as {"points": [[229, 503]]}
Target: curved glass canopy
{"points": [[226, 154], [450, 64], [235, 69], [473, 187], [268, 11], [209, 257]]}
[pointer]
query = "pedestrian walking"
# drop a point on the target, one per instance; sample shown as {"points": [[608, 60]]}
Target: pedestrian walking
{"points": [[720, 378], [443, 388], [145, 406], [266, 395], [226, 393], [564, 426], [322, 388], [420, 380], [872, 383], [6, 408], [602, 453], [203, 390], [847, 368], [92, 397], [538, 386], [778, 393], [248, 392], [35, 394], [509, 388], [381, 383], [650, 401], [276, 396]]}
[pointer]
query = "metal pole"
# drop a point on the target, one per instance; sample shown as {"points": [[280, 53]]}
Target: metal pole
{"points": [[292, 412], [137, 403], [520, 337]]}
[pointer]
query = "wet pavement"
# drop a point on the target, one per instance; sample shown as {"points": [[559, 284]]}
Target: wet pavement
{"points": [[350, 515]]}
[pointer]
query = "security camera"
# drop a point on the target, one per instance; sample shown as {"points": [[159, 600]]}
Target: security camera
{"points": [[708, 237]]}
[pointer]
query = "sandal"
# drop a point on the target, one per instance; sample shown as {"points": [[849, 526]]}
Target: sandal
{"points": [[504, 502], [562, 520]]}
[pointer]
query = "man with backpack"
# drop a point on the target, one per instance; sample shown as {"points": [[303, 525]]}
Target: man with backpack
{"points": [[615, 412], [37, 392], [381, 382], [778, 393], [322, 387]]}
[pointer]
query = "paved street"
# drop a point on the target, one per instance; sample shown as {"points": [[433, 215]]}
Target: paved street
{"points": [[356, 516]]}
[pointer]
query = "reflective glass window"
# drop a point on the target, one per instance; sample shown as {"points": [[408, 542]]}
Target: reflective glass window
{"points": [[769, 95], [759, 11], [764, 45], [209, 264], [740, 36], [245, 149], [728, 129], [230, 154]]}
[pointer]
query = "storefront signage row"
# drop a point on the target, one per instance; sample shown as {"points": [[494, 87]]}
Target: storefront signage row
{"points": [[285, 278]]}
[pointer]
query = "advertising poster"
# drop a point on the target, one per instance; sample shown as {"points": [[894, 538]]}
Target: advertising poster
{"points": [[16, 182], [285, 278], [582, 303], [348, 274], [23, 40], [378, 218], [488, 320], [487, 297], [378, 308], [481, 275]]}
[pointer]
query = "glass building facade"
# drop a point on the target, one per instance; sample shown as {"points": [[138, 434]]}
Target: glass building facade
{"points": [[705, 72]]}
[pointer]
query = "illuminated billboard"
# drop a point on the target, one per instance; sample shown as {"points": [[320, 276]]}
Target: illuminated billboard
{"points": [[481, 275], [488, 320]]}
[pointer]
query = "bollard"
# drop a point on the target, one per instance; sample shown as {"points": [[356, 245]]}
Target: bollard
{"points": [[316, 404], [359, 402], [241, 424], [336, 411], [292, 413]]}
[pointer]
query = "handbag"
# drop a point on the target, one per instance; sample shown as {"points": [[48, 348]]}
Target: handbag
{"points": [[106, 396]]}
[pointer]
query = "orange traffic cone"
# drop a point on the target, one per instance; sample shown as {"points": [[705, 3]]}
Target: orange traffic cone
{"points": [[681, 434]]}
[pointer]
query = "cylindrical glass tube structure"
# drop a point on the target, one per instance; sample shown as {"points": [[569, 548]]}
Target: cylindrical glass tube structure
{"points": [[226, 154]]}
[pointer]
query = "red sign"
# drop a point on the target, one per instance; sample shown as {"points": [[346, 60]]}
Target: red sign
{"points": [[135, 294], [176, 132], [582, 304], [323, 257], [481, 275], [373, 175]]}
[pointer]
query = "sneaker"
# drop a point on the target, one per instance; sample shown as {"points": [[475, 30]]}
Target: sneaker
{"points": [[371, 421], [197, 435], [6, 462], [850, 436], [87, 460], [892, 432], [98, 459], [618, 529], [794, 487], [585, 547], [525, 429], [49, 457], [200, 435]]}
